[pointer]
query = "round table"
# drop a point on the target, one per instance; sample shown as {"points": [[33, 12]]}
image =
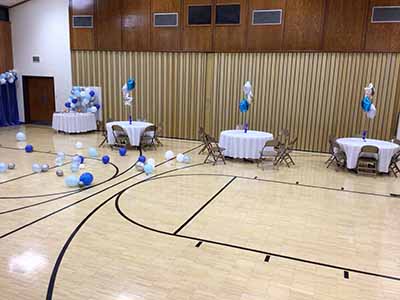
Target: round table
{"points": [[74, 122], [352, 148], [239, 144], [134, 131]]}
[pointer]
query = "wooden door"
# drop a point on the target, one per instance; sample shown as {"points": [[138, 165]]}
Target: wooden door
{"points": [[39, 99]]}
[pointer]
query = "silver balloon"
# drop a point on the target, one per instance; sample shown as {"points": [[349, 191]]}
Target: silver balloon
{"points": [[81, 184], [11, 166], [45, 167], [60, 173], [140, 166]]}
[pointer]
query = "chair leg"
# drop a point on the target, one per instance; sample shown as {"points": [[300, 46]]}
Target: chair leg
{"points": [[203, 149]]}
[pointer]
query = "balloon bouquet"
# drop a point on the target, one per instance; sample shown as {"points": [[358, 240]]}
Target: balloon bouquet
{"points": [[246, 101], [367, 106], [9, 77], [127, 90], [82, 100]]}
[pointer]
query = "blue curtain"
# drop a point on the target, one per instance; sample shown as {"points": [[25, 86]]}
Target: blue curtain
{"points": [[8, 105]]}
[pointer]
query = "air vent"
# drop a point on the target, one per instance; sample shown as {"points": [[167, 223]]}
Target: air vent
{"points": [[165, 19], [199, 15], [82, 21], [385, 14], [228, 14], [267, 17]]}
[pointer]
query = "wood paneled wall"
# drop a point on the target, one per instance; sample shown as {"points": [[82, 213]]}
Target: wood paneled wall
{"points": [[169, 86], [307, 25], [312, 94], [82, 38], [6, 54]]}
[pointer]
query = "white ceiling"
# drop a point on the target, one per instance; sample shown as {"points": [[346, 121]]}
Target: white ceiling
{"points": [[10, 2]]}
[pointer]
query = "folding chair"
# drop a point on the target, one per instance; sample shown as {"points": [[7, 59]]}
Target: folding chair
{"points": [[270, 152], [202, 135], [120, 137], [101, 126], [396, 141], [285, 156], [283, 136], [214, 150], [393, 164], [158, 133], [337, 155], [368, 160], [148, 137]]}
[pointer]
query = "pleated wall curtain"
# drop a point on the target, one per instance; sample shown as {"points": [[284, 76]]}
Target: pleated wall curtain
{"points": [[8, 105]]}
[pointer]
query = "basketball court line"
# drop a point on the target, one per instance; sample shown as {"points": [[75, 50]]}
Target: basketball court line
{"points": [[98, 192]]}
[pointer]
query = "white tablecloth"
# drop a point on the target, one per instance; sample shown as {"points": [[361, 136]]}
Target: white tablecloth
{"points": [[352, 148], [74, 122], [134, 131], [243, 145]]}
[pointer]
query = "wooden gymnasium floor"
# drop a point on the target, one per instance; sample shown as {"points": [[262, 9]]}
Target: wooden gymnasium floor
{"points": [[193, 231]]}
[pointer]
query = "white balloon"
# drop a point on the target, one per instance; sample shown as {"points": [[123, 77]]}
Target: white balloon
{"points": [[372, 112], [78, 145], [169, 155], [93, 109], [180, 158], [151, 161], [3, 81], [139, 166], [20, 136], [247, 88]]}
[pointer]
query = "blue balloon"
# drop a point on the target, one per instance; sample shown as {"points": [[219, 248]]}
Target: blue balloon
{"points": [[131, 84], [92, 152], [97, 106], [142, 159], [105, 159], [366, 104], [3, 167], [92, 93], [244, 106], [68, 104], [122, 151], [28, 148], [86, 178], [74, 101], [82, 159], [148, 169], [72, 181]]}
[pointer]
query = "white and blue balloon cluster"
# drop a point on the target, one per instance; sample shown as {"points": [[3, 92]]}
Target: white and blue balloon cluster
{"points": [[245, 103], [127, 90], [83, 100], [10, 77]]}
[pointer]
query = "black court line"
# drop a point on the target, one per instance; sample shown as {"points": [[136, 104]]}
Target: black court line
{"points": [[50, 289], [98, 192], [346, 274], [30, 174], [286, 183], [205, 205], [198, 244], [66, 193], [292, 258], [267, 257]]}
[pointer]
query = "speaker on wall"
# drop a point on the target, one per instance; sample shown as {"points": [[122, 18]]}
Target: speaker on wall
{"points": [[82, 21], [228, 14], [199, 15]]}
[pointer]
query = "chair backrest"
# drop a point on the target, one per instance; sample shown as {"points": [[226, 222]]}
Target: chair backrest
{"points": [[201, 133], [159, 129], [396, 141], [118, 130], [272, 143], [150, 129], [332, 142], [370, 149]]}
